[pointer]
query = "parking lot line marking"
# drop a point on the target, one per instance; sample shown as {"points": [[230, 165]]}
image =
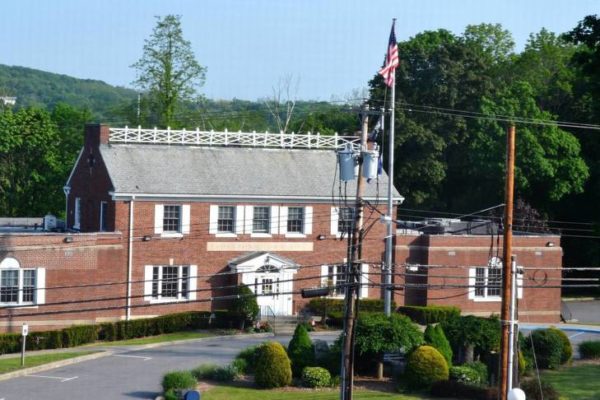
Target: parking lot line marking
{"points": [[128, 356], [577, 334], [60, 378]]}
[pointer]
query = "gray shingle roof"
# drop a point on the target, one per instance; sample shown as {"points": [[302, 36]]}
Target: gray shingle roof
{"points": [[227, 171]]}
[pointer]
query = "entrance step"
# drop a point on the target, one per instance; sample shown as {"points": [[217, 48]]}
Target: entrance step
{"points": [[282, 325]]}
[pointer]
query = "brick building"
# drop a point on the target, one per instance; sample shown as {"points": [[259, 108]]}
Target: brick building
{"points": [[169, 221]]}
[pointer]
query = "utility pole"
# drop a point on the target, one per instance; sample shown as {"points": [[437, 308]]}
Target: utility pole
{"points": [[507, 267], [355, 253]]}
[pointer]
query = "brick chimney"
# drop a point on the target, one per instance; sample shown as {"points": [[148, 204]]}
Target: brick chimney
{"points": [[95, 135]]}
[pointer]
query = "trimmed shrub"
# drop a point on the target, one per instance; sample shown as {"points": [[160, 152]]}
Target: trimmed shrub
{"points": [[178, 380], [566, 353], [171, 394], [461, 390], [466, 374], [301, 351], [315, 377], [480, 368], [425, 315], [548, 347], [435, 337], [215, 372], [249, 355], [425, 366], [273, 367], [79, 334], [240, 365], [531, 387], [10, 343], [590, 349]]}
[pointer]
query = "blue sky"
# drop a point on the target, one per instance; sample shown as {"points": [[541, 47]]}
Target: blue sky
{"points": [[330, 47]]}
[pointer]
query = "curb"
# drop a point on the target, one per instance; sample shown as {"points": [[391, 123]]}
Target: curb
{"points": [[52, 365], [571, 328], [579, 299]]}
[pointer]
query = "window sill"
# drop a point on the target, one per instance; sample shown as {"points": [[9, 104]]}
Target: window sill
{"points": [[295, 235], [171, 235], [487, 299], [260, 235], [226, 235], [168, 300], [19, 306]]}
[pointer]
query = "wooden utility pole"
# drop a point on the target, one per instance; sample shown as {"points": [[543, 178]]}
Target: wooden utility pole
{"points": [[353, 273], [507, 271]]}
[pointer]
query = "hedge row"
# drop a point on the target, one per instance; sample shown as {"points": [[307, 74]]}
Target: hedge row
{"points": [[121, 330], [461, 390], [425, 315], [590, 349], [323, 306]]}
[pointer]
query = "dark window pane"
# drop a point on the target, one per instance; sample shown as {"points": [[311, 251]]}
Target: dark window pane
{"points": [[226, 219], [171, 218], [261, 220], [155, 281], [345, 219], [295, 222], [9, 286], [185, 278], [169, 282], [28, 285]]}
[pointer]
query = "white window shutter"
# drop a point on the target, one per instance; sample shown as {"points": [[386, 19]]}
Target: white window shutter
{"points": [[308, 220], [212, 219], [519, 286], [185, 218], [193, 282], [364, 281], [239, 220], [148, 282], [248, 220], [283, 217], [40, 297], [158, 218], [324, 275], [472, 273], [274, 223], [334, 221]]}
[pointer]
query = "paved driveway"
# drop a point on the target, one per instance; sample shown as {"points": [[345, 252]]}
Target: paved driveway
{"points": [[128, 374]]}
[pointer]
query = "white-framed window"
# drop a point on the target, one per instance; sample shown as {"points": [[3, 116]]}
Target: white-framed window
{"points": [[295, 221], [21, 286], [342, 219], [171, 220], [335, 276], [485, 283], [261, 220], [226, 220], [77, 214], [103, 215], [169, 283]]}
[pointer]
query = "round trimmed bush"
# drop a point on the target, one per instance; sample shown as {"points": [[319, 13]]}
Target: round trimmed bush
{"points": [[178, 380], [315, 377], [301, 351], [566, 350], [425, 366], [435, 337], [273, 367], [548, 348]]}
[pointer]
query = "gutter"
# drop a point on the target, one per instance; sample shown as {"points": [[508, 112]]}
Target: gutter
{"points": [[129, 259]]}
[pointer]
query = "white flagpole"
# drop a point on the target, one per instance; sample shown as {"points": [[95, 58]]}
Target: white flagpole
{"points": [[387, 296]]}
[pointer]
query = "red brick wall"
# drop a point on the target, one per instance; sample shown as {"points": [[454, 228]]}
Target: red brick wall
{"points": [[90, 259]]}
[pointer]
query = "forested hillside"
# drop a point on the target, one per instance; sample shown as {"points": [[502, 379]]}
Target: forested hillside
{"points": [[33, 87]]}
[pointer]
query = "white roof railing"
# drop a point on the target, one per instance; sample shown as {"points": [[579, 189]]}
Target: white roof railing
{"points": [[245, 139]]}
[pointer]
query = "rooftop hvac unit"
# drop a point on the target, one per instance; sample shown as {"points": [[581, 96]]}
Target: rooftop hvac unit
{"points": [[49, 222]]}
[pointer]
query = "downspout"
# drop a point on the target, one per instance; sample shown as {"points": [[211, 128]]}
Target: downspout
{"points": [[129, 259], [66, 190]]}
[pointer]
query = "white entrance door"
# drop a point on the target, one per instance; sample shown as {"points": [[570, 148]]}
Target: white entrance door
{"points": [[272, 288]]}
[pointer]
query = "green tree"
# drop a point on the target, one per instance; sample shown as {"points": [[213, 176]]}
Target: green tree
{"points": [[168, 70], [301, 350], [245, 305], [377, 333], [30, 164]]}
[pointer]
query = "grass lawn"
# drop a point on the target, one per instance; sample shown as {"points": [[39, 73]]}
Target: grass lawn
{"points": [[576, 383], [167, 337], [14, 363], [240, 393]]}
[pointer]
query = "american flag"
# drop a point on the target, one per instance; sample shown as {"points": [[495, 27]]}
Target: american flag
{"points": [[391, 60]]}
